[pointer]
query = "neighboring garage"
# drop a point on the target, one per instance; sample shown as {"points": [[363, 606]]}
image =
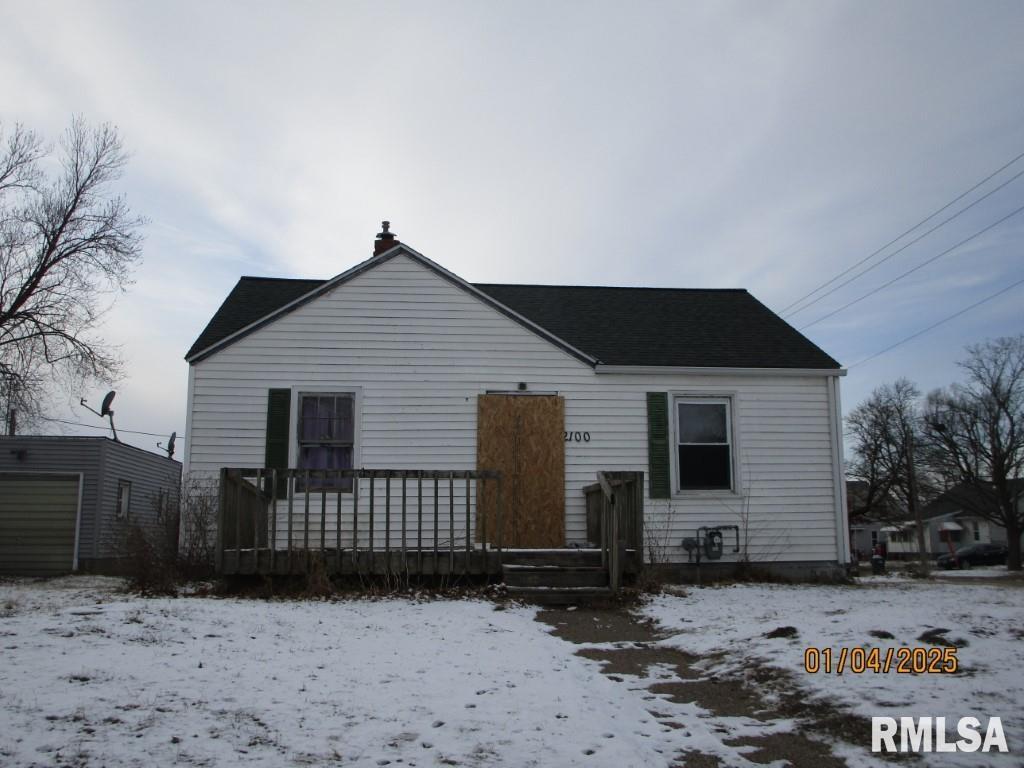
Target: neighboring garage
{"points": [[68, 503], [39, 523]]}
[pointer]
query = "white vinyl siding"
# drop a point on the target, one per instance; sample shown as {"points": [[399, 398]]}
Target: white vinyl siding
{"points": [[421, 350]]}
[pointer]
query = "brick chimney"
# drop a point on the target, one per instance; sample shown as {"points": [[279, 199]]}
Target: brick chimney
{"points": [[385, 239]]}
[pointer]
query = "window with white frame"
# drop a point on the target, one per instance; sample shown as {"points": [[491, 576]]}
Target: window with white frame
{"points": [[124, 499], [326, 436], [976, 528], [704, 443]]}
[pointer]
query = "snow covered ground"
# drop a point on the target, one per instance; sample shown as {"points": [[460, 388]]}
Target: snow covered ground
{"points": [[90, 676], [986, 620]]}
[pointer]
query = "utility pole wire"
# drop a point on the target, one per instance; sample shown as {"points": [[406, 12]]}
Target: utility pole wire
{"points": [[904, 247], [925, 220], [102, 429], [923, 331], [924, 263]]}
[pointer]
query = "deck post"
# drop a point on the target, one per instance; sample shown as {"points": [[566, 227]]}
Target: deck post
{"points": [[273, 518], [434, 566], [387, 521], [451, 523], [614, 561], [238, 520], [469, 550], [371, 475], [337, 533], [498, 520], [290, 488], [257, 514], [419, 522], [481, 522], [355, 521], [404, 565], [323, 517], [305, 519], [221, 515]]}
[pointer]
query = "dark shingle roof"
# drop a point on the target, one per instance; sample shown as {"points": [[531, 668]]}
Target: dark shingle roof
{"points": [[250, 299], [664, 326], [618, 326], [966, 498]]}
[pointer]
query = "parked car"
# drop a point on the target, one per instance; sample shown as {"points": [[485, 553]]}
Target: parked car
{"points": [[975, 554]]}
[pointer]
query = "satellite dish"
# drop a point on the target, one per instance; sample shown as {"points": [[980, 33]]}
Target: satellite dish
{"points": [[170, 445], [107, 401], [104, 410]]}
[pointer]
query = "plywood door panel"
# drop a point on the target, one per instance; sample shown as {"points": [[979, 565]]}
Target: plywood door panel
{"points": [[522, 437]]}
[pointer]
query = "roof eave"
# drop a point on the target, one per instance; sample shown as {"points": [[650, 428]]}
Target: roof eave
{"points": [[718, 371]]}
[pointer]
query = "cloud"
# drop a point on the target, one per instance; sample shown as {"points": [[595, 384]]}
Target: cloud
{"points": [[763, 145]]}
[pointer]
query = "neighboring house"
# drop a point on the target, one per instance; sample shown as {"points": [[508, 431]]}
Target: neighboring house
{"points": [[951, 521], [731, 414], [866, 524], [66, 503]]}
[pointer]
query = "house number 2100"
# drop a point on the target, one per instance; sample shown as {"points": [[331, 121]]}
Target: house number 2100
{"points": [[577, 437]]}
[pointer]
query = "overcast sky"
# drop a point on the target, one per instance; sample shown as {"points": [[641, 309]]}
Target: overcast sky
{"points": [[763, 145]]}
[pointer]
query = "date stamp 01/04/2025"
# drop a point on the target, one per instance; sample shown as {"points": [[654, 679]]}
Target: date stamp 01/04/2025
{"points": [[903, 660]]}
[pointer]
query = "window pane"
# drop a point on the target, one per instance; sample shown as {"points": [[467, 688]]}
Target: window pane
{"points": [[341, 428], [308, 423], [326, 417], [702, 423], [325, 457], [705, 466]]}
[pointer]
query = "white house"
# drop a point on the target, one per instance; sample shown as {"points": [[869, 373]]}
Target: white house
{"points": [[730, 413], [958, 517]]}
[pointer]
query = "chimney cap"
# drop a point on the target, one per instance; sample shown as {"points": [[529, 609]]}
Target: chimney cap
{"points": [[385, 238]]}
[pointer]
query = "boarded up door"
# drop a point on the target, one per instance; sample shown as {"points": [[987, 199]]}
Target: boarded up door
{"points": [[522, 437], [38, 514]]}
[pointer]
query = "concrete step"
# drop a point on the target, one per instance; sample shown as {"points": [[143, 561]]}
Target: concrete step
{"points": [[580, 558], [554, 576], [560, 595]]}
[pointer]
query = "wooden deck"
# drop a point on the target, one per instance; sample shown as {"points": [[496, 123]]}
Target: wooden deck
{"points": [[412, 563], [395, 522]]}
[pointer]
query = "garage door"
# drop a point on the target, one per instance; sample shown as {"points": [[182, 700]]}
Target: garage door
{"points": [[38, 514]]}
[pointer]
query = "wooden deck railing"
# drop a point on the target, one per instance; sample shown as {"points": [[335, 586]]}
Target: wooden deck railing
{"points": [[365, 521], [617, 502]]}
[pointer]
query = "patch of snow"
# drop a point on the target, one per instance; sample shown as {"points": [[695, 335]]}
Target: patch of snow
{"points": [[735, 619], [991, 572], [91, 676]]}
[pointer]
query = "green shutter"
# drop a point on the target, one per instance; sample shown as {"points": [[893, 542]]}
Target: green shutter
{"points": [[279, 403], [657, 445]]}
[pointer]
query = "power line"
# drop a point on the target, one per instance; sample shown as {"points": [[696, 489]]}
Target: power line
{"points": [[924, 263], [940, 322], [904, 247], [104, 429], [903, 234]]}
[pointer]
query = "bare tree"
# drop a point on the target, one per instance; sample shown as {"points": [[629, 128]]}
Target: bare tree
{"points": [[886, 430], [975, 434], [66, 243], [881, 428]]}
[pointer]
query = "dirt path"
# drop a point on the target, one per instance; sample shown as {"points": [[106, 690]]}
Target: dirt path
{"points": [[751, 716]]}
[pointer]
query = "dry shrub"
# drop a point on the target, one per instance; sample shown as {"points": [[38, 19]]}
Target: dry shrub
{"points": [[198, 530], [150, 563], [318, 583]]}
